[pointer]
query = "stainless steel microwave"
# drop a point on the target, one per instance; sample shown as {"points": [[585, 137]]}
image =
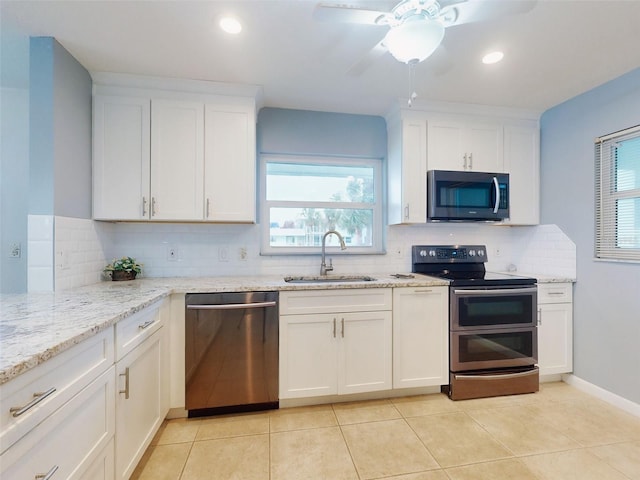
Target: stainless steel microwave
{"points": [[467, 196]]}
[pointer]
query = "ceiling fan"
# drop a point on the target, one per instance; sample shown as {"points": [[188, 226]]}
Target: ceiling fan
{"points": [[416, 27]]}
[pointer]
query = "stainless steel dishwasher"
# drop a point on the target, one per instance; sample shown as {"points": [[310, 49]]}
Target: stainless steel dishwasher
{"points": [[231, 348]]}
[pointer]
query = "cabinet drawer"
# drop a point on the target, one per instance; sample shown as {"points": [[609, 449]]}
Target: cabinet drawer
{"points": [[63, 375], [555, 293], [335, 301], [71, 439], [134, 330]]}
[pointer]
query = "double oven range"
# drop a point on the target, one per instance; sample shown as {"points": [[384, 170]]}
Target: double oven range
{"points": [[493, 342]]}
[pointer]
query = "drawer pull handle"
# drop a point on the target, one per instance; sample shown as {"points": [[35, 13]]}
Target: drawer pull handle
{"points": [[555, 293], [48, 475], [37, 398], [146, 324], [334, 328], [126, 383], [424, 291], [342, 329]]}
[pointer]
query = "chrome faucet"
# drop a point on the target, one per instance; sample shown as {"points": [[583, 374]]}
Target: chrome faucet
{"points": [[323, 266]]}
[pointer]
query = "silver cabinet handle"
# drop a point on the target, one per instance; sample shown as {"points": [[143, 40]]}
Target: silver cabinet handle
{"points": [[406, 211], [144, 206], [206, 214], [423, 291], [126, 383], [555, 293], [37, 398], [147, 324], [342, 329], [48, 475], [539, 316], [153, 206], [464, 165], [471, 161], [497, 187], [334, 328]]}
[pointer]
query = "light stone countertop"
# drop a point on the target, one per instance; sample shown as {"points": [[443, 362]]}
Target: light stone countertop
{"points": [[37, 326]]}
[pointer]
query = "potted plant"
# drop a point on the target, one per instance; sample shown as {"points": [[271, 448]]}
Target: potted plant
{"points": [[125, 268]]}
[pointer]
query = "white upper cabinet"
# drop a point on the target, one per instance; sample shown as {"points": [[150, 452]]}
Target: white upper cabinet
{"points": [[121, 155], [177, 160], [464, 145], [230, 163], [172, 155], [407, 171], [522, 161]]}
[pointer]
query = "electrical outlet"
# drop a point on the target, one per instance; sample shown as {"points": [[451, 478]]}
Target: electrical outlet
{"points": [[172, 254], [242, 253], [223, 254], [15, 250]]}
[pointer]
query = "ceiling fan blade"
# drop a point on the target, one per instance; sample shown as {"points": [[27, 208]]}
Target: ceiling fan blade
{"points": [[473, 11], [439, 62], [328, 12], [369, 58]]}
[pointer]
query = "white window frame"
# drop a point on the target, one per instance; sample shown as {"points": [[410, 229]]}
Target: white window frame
{"points": [[606, 234], [377, 246]]}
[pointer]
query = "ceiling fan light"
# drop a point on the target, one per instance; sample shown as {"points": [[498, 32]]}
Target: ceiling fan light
{"points": [[414, 40], [230, 25]]}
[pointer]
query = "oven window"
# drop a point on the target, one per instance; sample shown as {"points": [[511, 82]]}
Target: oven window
{"points": [[489, 311], [495, 346]]}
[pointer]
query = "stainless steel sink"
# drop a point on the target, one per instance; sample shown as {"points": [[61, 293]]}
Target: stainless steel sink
{"points": [[329, 279]]}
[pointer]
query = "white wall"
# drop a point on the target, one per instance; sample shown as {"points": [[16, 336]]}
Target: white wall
{"points": [[607, 294]]}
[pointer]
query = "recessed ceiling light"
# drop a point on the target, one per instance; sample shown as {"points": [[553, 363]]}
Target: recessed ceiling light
{"points": [[230, 25], [493, 57]]}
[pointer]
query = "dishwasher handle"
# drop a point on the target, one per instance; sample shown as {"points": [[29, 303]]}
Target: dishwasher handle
{"points": [[232, 306]]}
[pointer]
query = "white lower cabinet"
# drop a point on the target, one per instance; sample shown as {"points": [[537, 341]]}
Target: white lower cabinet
{"points": [[555, 328], [335, 349], [420, 336], [71, 442], [140, 404]]}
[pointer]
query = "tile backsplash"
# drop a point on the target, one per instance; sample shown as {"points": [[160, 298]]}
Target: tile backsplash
{"points": [[83, 247]]}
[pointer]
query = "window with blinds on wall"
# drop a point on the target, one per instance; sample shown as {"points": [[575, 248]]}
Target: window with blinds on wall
{"points": [[618, 195]]}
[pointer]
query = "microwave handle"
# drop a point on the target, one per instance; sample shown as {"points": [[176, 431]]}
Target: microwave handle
{"points": [[496, 185]]}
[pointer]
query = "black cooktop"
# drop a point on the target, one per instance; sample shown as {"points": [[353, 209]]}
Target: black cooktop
{"points": [[462, 265]]}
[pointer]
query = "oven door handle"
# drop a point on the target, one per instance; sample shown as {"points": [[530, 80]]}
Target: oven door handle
{"points": [[493, 377], [497, 291]]}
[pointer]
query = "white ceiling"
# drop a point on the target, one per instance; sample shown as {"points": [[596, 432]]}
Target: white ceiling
{"points": [[557, 50]]}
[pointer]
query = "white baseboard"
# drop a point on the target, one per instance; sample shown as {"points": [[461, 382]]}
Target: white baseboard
{"points": [[602, 394]]}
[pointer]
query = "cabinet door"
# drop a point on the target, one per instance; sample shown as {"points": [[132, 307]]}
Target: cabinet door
{"points": [[308, 355], [121, 156], [522, 161], [420, 337], [461, 145], [70, 441], [139, 403], [177, 160], [483, 147], [414, 172], [445, 145], [230, 164], [364, 363], [555, 338]]}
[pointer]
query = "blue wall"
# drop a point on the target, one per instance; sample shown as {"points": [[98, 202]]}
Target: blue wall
{"points": [[607, 294], [321, 133]]}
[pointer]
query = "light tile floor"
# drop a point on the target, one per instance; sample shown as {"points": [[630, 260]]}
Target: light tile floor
{"points": [[558, 433]]}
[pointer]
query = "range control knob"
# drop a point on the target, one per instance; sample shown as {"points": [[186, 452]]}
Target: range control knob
{"points": [[432, 253], [472, 253], [481, 253]]}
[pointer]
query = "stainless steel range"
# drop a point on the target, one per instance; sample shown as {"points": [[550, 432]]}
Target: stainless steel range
{"points": [[493, 341]]}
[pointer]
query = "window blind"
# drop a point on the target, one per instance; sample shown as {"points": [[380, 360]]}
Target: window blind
{"points": [[617, 195]]}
